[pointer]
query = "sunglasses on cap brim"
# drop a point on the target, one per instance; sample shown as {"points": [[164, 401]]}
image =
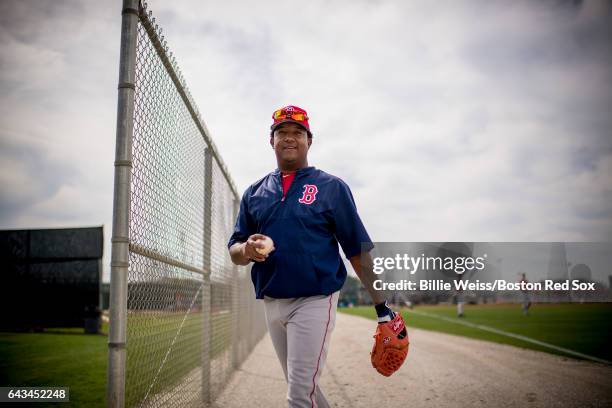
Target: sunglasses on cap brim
{"points": [[283, 114]]}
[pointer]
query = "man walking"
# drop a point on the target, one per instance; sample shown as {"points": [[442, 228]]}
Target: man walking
{"points": [[306, 212], [526, 303]]}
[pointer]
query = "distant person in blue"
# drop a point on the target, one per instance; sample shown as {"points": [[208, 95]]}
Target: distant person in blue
{"points": [[306, 212]]}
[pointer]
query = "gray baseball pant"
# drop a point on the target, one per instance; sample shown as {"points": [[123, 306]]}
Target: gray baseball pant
{"points": [[300, 329]]}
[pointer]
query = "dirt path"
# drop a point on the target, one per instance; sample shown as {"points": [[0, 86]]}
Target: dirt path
{"points": [[442, 371]]}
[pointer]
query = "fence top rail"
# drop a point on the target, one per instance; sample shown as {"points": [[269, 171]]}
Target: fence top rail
{"points": [[159, 43]]}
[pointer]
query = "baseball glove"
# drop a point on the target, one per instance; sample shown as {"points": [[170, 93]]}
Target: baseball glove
{"points": [[390, 346]]}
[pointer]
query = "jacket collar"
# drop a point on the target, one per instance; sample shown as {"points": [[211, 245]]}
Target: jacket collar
{"points": [[299, 172]]}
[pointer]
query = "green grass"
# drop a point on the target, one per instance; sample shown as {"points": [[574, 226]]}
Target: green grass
{"points": [[150, 337], [67, 357], [57, 357], [585, 328]]}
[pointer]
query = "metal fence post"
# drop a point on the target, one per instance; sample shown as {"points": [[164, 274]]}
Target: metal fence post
{"points": [[115, 391], [236, 358], [207, 292]]}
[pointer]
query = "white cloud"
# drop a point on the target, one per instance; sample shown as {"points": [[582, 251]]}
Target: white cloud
{"points": [[450, 121]]}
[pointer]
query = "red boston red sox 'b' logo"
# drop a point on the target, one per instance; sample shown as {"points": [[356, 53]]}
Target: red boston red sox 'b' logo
{"points": [[309, 195], [397, 325]]}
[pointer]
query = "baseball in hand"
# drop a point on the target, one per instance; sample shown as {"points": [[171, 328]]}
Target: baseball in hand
{"points": [[268, 246]]}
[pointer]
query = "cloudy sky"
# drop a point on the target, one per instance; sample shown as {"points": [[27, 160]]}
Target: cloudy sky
{"points": [[451, 121]]}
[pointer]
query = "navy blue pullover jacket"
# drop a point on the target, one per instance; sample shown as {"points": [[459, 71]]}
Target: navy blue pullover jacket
{"points": [[317, 213]]}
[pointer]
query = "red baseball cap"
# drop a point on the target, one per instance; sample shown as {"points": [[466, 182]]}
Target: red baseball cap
{"points": [[290, 114]]}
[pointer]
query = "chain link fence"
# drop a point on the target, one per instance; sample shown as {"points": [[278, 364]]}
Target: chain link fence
{"points": [[183, 316]]}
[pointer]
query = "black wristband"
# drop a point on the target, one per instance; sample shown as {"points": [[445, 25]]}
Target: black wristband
{"points": [[382, 309]]}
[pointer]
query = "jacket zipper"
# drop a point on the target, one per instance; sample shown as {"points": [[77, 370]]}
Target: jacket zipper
{"points": [[280, 179], [283, 195]]}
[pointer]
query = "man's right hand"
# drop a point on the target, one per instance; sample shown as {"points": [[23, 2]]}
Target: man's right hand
{"points": [[248, 248]]}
